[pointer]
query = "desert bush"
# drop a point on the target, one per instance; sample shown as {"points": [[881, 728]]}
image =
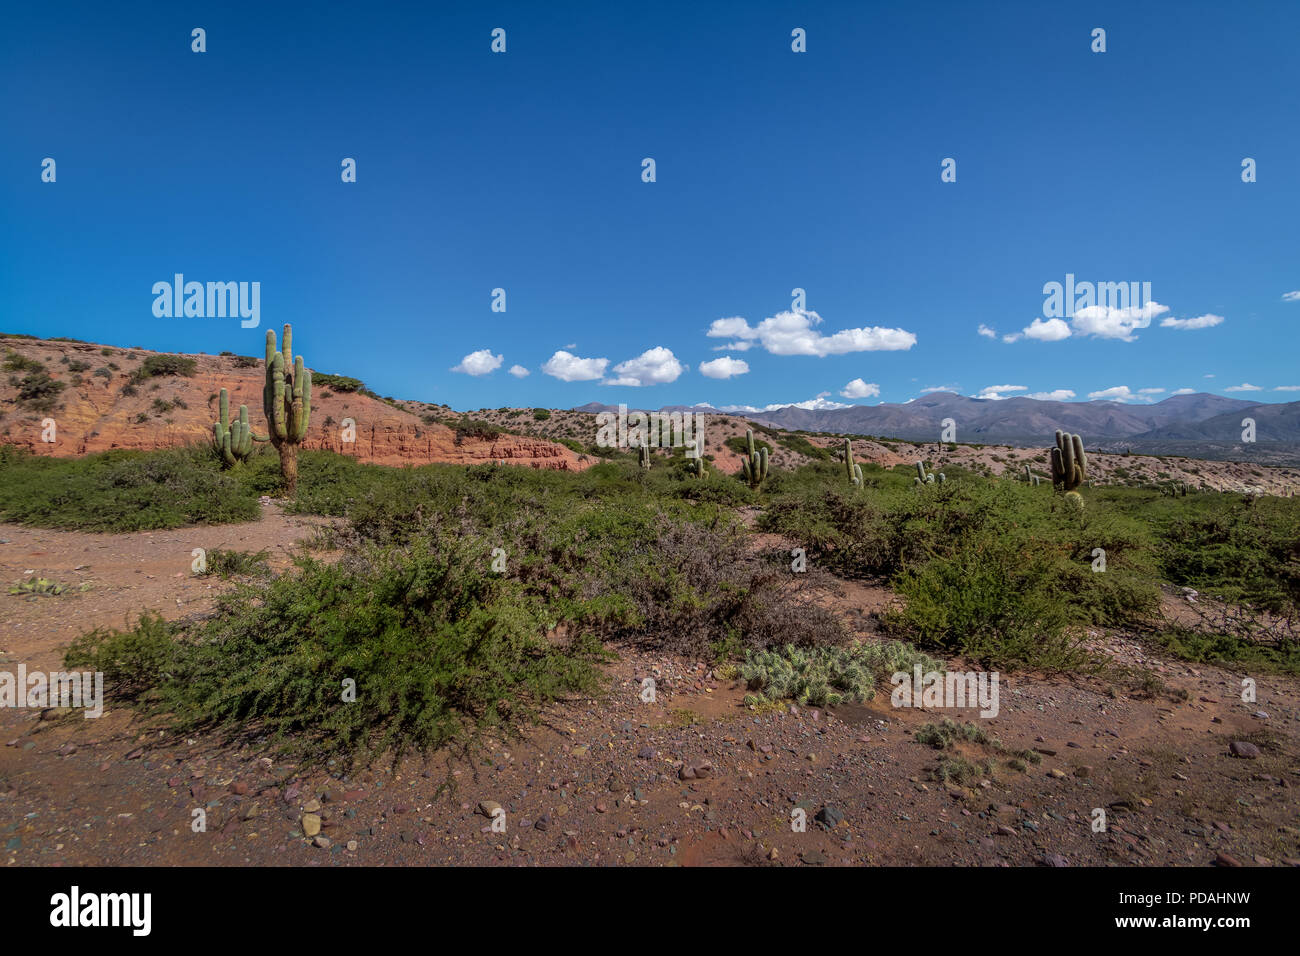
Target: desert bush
{"points": [[120, 490], [229, 564], [439, 649], [156, 366], [38, 392]]}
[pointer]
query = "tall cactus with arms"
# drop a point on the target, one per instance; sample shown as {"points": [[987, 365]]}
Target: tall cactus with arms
{"points": [[234, 440], [753, 466], [1069, 463], [286, 398]]}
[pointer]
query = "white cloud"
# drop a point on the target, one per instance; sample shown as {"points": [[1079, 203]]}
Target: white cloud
{"points": [[1047, 330], [820, 403], [994, 392], [1287, 388], [1209, 375], [793, 333], [1150, 391], [478, 363], [655, 366], [940, 388], [518, 371], [1183, 391], [1120, 393], [1056, 395], [1206, 321], [734, 327], [1108, 323], [734, 347], [1291, 296], [725, 367], [1013, 337], [988, 333], [567, 367], [860, 389], [1244, 387]]}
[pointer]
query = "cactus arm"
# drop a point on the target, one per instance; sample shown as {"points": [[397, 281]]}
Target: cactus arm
{"points": [[306, 404]]}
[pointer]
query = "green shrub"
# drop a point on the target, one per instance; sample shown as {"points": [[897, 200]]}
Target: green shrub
{"points": [[339, 383], [38, 392], [120, 490], [438, 647], [156, 366]]}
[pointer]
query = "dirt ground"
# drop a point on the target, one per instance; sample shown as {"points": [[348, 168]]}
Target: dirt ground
{"points": [[692, 778]]}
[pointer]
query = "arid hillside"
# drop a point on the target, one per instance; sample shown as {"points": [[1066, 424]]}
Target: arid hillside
{"points": [[100, 398]]}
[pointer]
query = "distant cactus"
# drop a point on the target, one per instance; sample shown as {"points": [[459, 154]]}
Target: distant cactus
{"points": [[1069, 463], [942, 477], [920, 472], [753, 467], [233, 440], [1029, 476], [854, 471], [695, 464], [645, 456]]}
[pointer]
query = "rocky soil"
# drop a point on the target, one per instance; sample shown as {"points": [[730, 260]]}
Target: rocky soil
{"points": [[1185, 772]]}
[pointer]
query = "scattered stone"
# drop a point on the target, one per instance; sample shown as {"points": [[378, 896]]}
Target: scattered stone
{"points": [[830, 816], [1243, 749], [310, 824]]}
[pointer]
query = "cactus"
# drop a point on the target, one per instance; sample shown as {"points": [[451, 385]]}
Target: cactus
{"points": [[695, 464], [233, 440], [920, 473], [753, 467], [645, 456], [286, 399], [1069, 463], [854, 471], [942, 477], [1029, 476]]}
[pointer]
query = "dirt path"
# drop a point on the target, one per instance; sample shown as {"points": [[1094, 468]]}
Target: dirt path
{"points": [[609, 781]]}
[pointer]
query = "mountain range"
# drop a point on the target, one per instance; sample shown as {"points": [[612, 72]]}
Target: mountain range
{"points": [[1199, 425]]}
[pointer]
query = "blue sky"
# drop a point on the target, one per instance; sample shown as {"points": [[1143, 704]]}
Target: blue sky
{"points": [[775, 170]]}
